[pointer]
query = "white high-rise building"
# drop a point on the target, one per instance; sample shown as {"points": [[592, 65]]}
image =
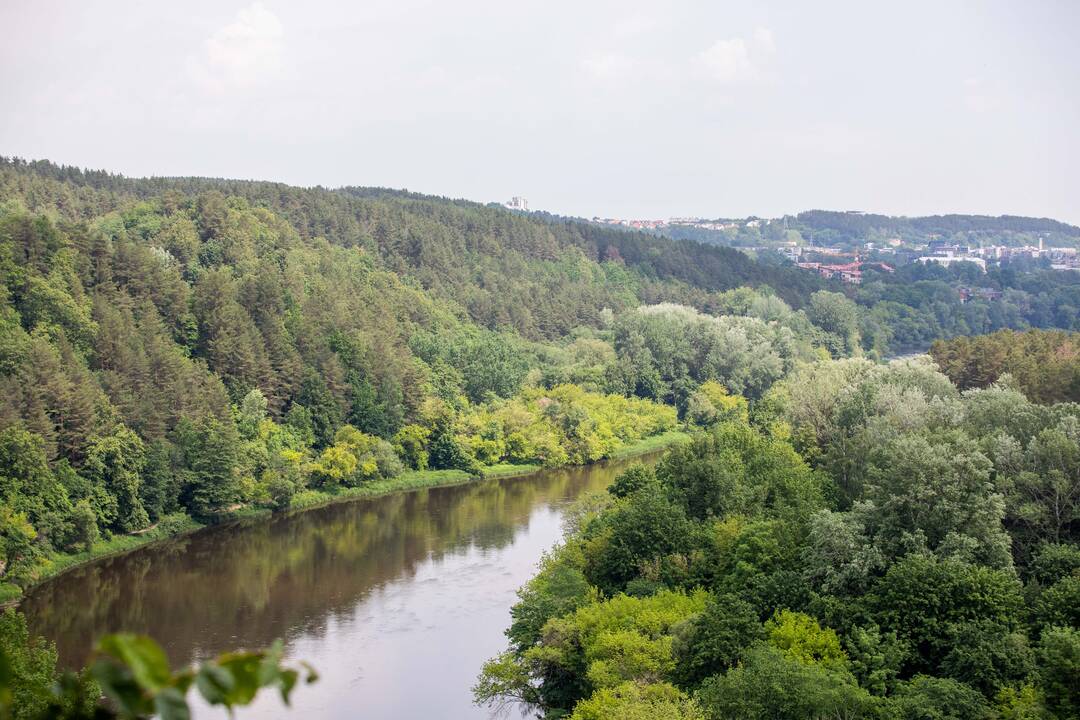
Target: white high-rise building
{"points": [[518, 203]]}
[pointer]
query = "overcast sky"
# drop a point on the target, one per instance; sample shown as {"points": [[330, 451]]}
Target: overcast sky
{"points": [[589, 108]]}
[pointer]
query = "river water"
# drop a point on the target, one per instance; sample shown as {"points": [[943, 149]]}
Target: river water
{"points": [[396, 601]]}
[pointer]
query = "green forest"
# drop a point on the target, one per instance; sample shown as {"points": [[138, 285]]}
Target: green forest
{"points": [[829, 536], [869, 541]]}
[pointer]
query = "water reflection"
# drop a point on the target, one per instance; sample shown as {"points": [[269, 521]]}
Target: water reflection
{"points": [[396, 601]]}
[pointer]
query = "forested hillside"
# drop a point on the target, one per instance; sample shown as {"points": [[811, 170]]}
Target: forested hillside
{"points": [[539, 276], [854, 226], [194, 354], [868, 542], [182, 350], [918, 304], [1045, 365], [186, 348], [176, 349]]}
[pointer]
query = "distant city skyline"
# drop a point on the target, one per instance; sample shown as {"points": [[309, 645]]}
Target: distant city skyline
{"points": [[615, 109], [752, 219]]}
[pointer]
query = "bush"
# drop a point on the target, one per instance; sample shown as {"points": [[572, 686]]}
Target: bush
{"points": [[637, 701], [387, 460], [282, 491], [939, 698], [84, 527], [632, 480], [355, 458], [1054, 561], [1059, 604], [173, 524], [714, 640], [28, 673], [410, 443], [1059, 667], [771, 684]]}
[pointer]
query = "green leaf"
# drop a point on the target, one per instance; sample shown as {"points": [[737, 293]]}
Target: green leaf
{"points": [[312, 674], [268, 668], [214, 684], [142, 656], [287, 681], [182, 680], [244, 668], [170, 704], [118, 684]]}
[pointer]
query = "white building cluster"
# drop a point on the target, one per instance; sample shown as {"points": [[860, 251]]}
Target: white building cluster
{"points": [[1061, 258], [683, 221]]}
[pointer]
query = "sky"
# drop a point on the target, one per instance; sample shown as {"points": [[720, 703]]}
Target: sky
{"points": [[618, 109]]}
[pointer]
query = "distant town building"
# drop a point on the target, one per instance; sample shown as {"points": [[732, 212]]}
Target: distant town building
{"points": [[948, 260], [518, 203], [938, 250], [942, 247], [636, 224], [835, 251], [850, 273], [675, 221], [791, 251]]}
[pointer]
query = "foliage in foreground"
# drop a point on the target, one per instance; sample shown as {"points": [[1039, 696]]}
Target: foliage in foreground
{"points": [[129, 677]]}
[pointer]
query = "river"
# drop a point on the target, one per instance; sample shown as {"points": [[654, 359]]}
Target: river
{"points": [[396, 601]]}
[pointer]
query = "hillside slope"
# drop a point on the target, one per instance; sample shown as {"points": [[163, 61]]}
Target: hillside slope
{"points": [[538, 274]]}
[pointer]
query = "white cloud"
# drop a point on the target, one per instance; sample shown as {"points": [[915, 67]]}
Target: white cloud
{"points": [[242, 55], [739, 60], [727, 60]]}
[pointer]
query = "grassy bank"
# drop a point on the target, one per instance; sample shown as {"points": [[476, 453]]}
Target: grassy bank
{"points": [[650, 444], [503, 470], [412, 480], [180, 524], [9, 593]]}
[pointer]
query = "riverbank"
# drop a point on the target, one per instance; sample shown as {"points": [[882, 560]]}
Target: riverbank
{"points": [[425, 479], [178, 525], [167, 527]]}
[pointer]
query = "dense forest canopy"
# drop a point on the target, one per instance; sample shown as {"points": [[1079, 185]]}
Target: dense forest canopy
{"points": [[182, 349], [869, 541], [461, 250], [1044, 365]]}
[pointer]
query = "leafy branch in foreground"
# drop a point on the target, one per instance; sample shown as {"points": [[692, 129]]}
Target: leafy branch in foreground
{"points": [[129, 677]]}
